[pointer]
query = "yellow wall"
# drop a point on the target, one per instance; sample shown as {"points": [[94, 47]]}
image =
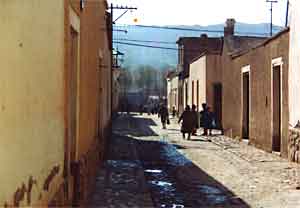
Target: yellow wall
{"points": [[95, 74], [31, 90]]}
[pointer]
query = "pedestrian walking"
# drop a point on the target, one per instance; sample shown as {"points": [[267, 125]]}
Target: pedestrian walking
{"points": [[188, 122], [195, 115], [205, 119], [173, 111], [141, 108], [164, 116], [212, 121]]}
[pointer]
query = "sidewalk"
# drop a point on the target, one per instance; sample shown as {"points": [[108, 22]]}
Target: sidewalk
{"points": [[259, 178]]}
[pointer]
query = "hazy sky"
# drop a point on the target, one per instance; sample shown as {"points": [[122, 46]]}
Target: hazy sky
{"points": [[201, 12]]}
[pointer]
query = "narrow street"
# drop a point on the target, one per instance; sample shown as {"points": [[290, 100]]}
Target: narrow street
{"points": [[150, 167]]}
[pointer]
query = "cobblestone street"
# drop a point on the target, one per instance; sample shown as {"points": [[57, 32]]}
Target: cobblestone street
{"points": [[151, 167]]}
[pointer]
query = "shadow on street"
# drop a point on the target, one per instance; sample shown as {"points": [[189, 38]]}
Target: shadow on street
{"points": [[168, 176]]}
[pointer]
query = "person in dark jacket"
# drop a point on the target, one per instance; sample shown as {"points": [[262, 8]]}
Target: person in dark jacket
{"points": [[205, 119], [189, 120], [173, 111], [212, 121], [164, 115], [196, 125]]}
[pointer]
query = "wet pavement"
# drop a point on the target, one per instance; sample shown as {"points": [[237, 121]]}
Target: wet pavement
{"points": [[143, 170], [174, 181]]}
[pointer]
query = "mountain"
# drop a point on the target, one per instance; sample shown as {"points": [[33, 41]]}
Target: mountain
{"points": [[153, 36]]}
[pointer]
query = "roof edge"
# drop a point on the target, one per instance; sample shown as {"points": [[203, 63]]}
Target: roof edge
{"points": [[264, 43]]}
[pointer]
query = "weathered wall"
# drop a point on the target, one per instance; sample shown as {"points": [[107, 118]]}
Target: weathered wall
{"points": [[213, 76], [198, 71], [231, 103], [280, 48], [92, 63], [294, 62], [260, 124], [31, 86], [94, 93], [95, 59]]}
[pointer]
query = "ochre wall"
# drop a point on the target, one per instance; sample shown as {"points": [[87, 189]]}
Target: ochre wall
{"points": [[92, 18], [260, 61], [231, 95], [213, 76], [94, 90], [31, 88]]}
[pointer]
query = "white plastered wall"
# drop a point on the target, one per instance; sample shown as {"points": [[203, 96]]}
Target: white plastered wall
{"points": [[198, 73], [294, 63]]}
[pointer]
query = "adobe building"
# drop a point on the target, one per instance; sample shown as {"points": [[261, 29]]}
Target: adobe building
{"points": [[255, 90], [205, 80], [188, 49], [172, 90], [294, 81], [55, 105]]}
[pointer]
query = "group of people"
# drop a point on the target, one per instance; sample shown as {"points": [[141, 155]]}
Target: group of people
{"points": [[191, 120], [150, 108]]}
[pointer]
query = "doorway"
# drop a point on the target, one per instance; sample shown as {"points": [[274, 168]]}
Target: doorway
{"points": [[217, 104], [276, 121], [245, 104]]}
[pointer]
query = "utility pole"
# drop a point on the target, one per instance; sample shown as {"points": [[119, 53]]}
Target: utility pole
{"points": [[287, 13], [112, 8], [112, 22], [271, 25]]}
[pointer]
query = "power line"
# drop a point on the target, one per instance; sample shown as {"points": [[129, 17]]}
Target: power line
{"points": [[145, 46], [190, 51], [191, 29], [145, 41]]}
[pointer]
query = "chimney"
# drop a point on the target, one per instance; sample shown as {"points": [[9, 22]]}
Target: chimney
{"points": [[204, 36], [229, 27]]}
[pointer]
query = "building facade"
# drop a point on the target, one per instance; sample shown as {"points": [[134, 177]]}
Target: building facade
{"points": [[190, 48], [56, 99], [294, 81], [255, 86], [205, 83], [172, 90]]}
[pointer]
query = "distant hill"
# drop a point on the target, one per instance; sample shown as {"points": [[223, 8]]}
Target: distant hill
{"points": [[160, 58]]}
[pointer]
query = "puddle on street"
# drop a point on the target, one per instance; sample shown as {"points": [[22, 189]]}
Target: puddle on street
{"points": [[153, 171], [209, 189], [173, 206], [216, 199], [161, 183], [122, 163], [162, 165]]}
